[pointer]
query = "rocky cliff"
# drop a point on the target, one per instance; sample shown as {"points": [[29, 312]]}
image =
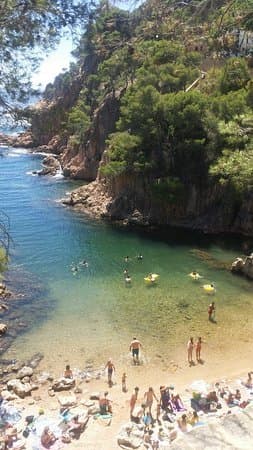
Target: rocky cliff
{"points": [[130, 200], [83, 162], [164, 133]]}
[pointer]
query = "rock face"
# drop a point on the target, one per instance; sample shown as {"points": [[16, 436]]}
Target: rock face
{"points": [[235, 431], [82, 162], [243, 266]]}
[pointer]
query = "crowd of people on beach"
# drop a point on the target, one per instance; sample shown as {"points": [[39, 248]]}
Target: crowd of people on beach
{"points": [[160, 416]]}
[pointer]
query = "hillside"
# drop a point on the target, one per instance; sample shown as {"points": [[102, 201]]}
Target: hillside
{"points": [[157, 112]]}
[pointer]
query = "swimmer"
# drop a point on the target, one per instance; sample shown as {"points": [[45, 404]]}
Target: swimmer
{"points": [[126, 259], [125, 272], [151, 277], [139, 257], [128, 279], [195, 275], [74, 270], [84, 263]]}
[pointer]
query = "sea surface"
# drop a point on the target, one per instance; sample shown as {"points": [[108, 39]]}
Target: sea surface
{"points": [[91, 314]]}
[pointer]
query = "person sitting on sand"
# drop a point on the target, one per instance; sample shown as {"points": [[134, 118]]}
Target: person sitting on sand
{"points": [[194, 419], [182, 423], [165, 399], [238, 395], [68, 372], [147, 439], [212, 397], [249, 382], [76, 427], [177, 403], [105, 405], [47, 438]]}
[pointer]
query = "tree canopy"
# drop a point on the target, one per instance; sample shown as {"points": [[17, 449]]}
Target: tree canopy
{"points": [[28, 27]]}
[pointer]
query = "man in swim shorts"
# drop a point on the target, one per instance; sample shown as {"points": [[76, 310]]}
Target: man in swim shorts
{"points": [[135, 348]]}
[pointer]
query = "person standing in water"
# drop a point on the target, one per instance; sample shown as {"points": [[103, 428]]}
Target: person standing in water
{"points": [[211, 311], [135, 348], [198, 349], [190, 347]]}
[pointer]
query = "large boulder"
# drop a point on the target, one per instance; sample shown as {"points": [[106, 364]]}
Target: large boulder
{"points": [[67, 400], [25, 372], [3, 328], [130, 436], [243, 266], [63, 384], [19, 388]]}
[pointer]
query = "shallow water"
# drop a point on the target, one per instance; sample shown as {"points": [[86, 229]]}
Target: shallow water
{"points": [[93, 314]]}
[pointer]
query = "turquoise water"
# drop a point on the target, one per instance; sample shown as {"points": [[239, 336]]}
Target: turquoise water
{"points": [[93, 314]]}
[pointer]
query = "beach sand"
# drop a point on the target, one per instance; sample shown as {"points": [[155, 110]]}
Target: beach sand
{"points": [[228, 364]]}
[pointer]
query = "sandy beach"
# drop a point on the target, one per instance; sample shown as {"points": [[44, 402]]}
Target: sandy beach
{"points": [[218, 364]]}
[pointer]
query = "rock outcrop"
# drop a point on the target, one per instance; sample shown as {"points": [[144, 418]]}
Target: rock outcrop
{"points": [[83, 162], [51, 166], [243, 266]]}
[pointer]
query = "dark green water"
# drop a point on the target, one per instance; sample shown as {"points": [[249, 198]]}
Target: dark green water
{"points": [[94, 314]]}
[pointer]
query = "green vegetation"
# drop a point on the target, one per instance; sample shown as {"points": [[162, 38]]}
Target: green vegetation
{"points": [[178, 126], [28, 28]]}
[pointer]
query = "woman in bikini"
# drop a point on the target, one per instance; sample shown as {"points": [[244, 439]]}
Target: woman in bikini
{"points": [[198, 349]]}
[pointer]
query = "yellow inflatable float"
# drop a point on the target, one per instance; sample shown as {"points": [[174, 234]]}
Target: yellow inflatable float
{"points": [[151, 278], [209, 288]]}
